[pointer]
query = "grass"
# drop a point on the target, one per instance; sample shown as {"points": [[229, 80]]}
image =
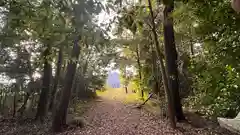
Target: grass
{"points": [[129, 98], [100, 92], [151, 106], [135, 98], [132, 98]]}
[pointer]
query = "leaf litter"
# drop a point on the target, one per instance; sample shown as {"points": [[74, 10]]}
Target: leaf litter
{"points": [[108, 117]]}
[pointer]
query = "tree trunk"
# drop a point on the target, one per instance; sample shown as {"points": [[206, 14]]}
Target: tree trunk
{"points": [[85, 68], [126, 80], [156, 88], [29, 104], [57, 76], [74, 86], [140, 70], [17, 88], [1, 99], [33, 102], [43, 100], [14, 104], [171, 60], [3, 102], [59, 119], [191, 48], [163, 72], [23, 107], [30, 73]]}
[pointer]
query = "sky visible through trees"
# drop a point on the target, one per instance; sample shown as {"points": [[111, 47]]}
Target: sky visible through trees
{"points": [[113, 79]]}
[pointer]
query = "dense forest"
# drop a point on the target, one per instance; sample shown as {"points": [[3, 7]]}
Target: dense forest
{"points": [[55, 57]]}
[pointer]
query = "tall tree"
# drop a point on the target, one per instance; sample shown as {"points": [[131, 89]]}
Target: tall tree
{"points": [[139, 69], [82, 12], [162, 67], [57, 76], [46, 79], [59, 119], [171, 59]]}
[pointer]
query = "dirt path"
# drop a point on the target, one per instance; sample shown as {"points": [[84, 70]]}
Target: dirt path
{"points": [[112, 117]]}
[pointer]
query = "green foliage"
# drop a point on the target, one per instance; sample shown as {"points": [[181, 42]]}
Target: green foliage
{"points": [[136, 51], [216, 89], [215, 66], [29, 27]]}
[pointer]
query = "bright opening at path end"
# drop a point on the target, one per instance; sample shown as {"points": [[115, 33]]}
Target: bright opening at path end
{"points": [[113, 79]]}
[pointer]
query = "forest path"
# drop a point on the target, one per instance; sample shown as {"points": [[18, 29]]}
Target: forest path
{"points": [[111, 116]]}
